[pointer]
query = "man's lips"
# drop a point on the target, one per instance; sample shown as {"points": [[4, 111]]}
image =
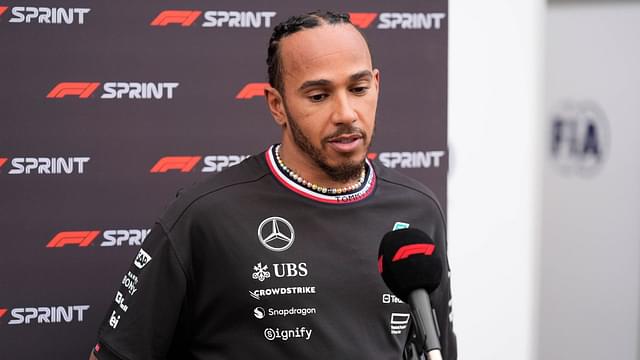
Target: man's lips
{"points": [[345, 143]]}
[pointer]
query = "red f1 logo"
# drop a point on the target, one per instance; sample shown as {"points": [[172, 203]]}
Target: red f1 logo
{"points": [[182, 163], [80, 238], [252, 89], [362, 20], [80, 89], [372, 156], [2, 161], [2, 312], [3, 9], [182, 17], [413, 249]]}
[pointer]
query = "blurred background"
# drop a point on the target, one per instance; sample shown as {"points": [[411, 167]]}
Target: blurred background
{"points": [[544, 182]]}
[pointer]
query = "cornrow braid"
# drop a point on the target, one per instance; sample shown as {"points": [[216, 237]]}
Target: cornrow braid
{"points": [[290, 26]]}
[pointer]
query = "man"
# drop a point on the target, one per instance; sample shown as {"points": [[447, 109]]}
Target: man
{"points": [[276, 258]]}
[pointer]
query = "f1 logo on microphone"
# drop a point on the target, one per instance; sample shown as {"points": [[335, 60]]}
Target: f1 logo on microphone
{"points": [[413, 249]]}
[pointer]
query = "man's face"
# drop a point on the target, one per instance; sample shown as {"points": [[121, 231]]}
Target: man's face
{"points": [[330, 98]]}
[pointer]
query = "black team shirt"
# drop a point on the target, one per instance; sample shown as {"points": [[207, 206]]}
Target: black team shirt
{"points": [[250, 264]]}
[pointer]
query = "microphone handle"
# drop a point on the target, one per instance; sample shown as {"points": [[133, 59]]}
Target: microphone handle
{"points": [[425, 326], [434, 355]]}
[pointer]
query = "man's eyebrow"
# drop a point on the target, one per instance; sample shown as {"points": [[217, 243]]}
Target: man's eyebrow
{"points": [[361, 75], [312, 83], [364, 74]]}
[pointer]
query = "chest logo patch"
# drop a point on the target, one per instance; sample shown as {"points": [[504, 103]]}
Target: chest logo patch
{"points": [[276, 233]]}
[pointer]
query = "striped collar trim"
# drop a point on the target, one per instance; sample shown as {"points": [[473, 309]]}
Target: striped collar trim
{"points": [[360, 194]]}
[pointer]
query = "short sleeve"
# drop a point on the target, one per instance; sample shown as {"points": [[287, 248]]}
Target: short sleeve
{"points": [[148, 307]]}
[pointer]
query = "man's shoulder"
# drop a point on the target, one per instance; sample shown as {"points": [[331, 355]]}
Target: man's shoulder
{"points": [[212, 188], [403, 183]]}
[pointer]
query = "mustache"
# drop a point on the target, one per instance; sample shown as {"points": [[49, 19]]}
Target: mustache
{"points": [[346, 130]]}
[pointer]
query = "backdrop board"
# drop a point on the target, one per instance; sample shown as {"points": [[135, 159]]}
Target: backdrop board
{"points": [[108, 108]]}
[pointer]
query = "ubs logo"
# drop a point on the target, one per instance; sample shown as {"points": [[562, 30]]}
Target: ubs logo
{"points": [[276, 233], [579, 137]]}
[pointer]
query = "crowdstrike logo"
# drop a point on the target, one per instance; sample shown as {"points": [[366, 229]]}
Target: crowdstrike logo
{"points": [[294, 290], [185, 164], [115, 90], [46, 314], [409, 160], [45, 15], [398, 20], [215, 18], [252, 90], [46, 165], [110, 238]]}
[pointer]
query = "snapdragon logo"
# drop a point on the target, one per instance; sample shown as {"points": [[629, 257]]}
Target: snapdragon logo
{"points": [[261, 313]]}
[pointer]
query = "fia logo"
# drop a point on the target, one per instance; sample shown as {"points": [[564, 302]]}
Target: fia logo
{"points": [[579, 137]]}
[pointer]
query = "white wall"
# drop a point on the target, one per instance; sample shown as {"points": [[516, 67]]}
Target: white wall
{"points": [[591, 220], [495, 102]]}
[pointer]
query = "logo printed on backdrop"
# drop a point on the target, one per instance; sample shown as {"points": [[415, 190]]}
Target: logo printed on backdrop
{"points": [[2, 312], [215, 18], [185, 164], [276, 233], [115, 90], [45, 15], [409, 160], [252, 90], [50, 314], [398, 20], [46, 165], [121, 237], [399, 322], [579, 137]]}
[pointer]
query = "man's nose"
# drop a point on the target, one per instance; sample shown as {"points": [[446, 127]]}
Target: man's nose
{"points": [[343, 111]]}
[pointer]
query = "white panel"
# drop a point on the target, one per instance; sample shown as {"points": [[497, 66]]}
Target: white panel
{"points": [[591, 222], [494, 132]]}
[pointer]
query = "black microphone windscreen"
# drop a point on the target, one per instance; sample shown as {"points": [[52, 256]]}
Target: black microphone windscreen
{"points": [[408, 260]]}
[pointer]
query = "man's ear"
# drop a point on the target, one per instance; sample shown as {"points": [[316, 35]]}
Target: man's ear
{"points": [[276, 105]]}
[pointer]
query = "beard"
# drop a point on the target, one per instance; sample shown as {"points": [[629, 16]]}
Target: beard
{"points": [[346, 169]]}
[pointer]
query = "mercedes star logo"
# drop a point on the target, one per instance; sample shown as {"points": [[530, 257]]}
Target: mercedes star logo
{"points": [[276, 233]]}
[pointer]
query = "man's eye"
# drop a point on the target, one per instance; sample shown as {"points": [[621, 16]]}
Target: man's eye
{"points": [[360, 90], [318, 97]]}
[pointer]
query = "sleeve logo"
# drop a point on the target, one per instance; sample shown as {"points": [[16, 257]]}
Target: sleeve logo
{"points": [[142, 259]]}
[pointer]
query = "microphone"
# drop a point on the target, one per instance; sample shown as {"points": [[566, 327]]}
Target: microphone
{"points": [[410, 266]]}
